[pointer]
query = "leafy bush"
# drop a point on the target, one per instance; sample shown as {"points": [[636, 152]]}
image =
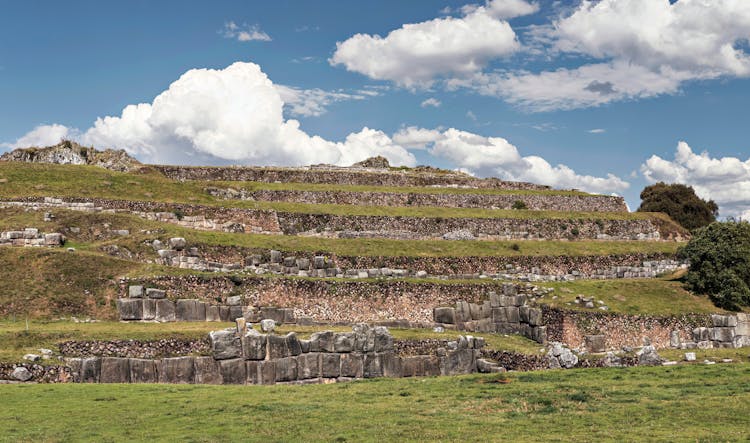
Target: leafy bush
{"points": [[719, 256], [680, 203], [519, 204]]}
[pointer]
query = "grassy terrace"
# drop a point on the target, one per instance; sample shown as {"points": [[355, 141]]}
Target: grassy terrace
{"points": [[38, 180], [685, 403], [16, 218]]}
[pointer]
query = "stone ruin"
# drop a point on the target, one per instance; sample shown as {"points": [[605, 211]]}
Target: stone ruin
{"points": [[728, 331], [242, 356], [508, 313], [31, 237]]}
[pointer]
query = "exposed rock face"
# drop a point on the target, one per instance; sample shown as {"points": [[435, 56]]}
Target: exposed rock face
{"points": [[71, 153], [378, 162]]}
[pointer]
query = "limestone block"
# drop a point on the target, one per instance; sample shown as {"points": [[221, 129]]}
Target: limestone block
{"points": [[213, 313], [190, 310], [412, 366], [460, 361], [289, 316], [512, 314], [207, 371], [509, 289], [308, 366], [275, 314], [508, 328], [305, 346], [303, 264], [391, 364], [539, 334], [156, 293], [352, 365], [143, 370], [535, 317], [275, 256], [485, 325], [225, 344], [235, 312], [494, 300], [475, 311], [723, 320], [595, 343], [277, 347], [53, 239], [486, 366], [330, 365], [523, 314], [293, 344], [75, 368], [165, 311], [701, 334], [267, 325], [91, 369], [254, 345], [373, 365], [344, 342], [286, 369], [463, 312], [135, 291], [743, 328], [21, 374], [233, 372], [176, 370], [267, 372], [674, 339], [224, 313], [149, 309], [499, 315], [365, 338], [289, 262], [252, 369], [444, 315], [235, 300], [725, 334], [383, 339], [177, 243], [322, 342], [130, 308], [114, 370]]}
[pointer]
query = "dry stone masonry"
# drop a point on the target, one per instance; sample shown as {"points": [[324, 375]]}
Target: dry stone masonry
{"points": [[31, 237]]}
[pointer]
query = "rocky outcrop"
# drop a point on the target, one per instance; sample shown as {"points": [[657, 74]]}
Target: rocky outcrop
{"points": [[71, 153]]}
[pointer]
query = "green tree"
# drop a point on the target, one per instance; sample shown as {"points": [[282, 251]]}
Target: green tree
{"points": [[719, 256], [680, 203]]}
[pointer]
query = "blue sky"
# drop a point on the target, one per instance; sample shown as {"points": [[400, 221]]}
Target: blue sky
{"points": [[505, 87]]}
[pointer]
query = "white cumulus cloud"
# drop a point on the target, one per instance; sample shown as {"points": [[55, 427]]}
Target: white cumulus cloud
{"points": [[314, 102], [725, 180], [231, 115], [415, 54], [432, 101], [42, 135]]}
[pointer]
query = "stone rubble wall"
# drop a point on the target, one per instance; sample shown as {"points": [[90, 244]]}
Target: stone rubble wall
{"points": [[578, 203], [31, 237], [354, 226], [619, 330], [508, 313], [726, 331], [166, 347], [246, 357], [336, 175], [326, 301]]}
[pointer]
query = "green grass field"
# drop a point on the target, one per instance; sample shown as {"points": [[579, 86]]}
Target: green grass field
{"points": [[685, 403]]}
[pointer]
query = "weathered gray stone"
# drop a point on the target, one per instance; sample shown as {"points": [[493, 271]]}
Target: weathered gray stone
{"points": [[277, 347], [352, 365], [509, 289], [225, 344], [130, 308], [391, 364], [207, 371], [444, 315], [648, 356], [383, 339], [177, 243], [508, 328], [286, 369], [674, 339], [91, 369], [165, 311], [213, 313], [224, 313], [535, 317], [512, 314], [487, 366], [330, 365], [235, 312], [235, 300], [463, 312], [177, 370], [267, 325], [293, 344], [723, 320], [253, 372], [21, 374], [276, 256], [308, 366], [690, 356], [135, 291], [254, 345], [149, 309], [595, 343], [322, 342], [143, 370], [499, 315], [289, 315], [115, 370], [156, 293], [373, 365], [460, 361], [344, 342], [233, 372], [701, 334], [725, 334], [275, 314], [267, 372]]}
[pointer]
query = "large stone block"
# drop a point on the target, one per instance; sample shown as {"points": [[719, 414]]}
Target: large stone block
{"points": [[510, 289], [225, 344], [224, 314], [308, 366], [513, 314], [91, 368], [75, 368], [322, 342], [539, 334], [444, 315], [701, 334], [499, 315], [156, 293], [461, 361], [463, 312], [233, 372], [344, 342], [383, 339], [213, 313], [293, 343], [275, 314], [143, 370], [165, 311], [235, 312], [391, 364], [207, 371], [149, 309], [722, 334], [508, 328], [535, 317], [412, 366], [286, 369], [277, 347], [364, 336], [330, 365], [253, 372], [595, 343], [373, 365], [130, 308], [267, 372], [723, 320], [115, 370], [254, 345], [475, 311], [186, 310], [135, 291], [352, 365], [523, 314], [176, 370]]}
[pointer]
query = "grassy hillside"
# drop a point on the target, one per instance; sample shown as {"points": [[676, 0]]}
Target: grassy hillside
{"points": [[685, 403]]}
